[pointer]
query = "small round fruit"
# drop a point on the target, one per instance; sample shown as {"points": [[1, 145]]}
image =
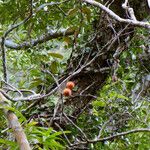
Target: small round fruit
{"points": [[70, 85], [67, 92]]}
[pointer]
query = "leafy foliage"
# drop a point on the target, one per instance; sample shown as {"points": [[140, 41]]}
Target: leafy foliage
{"points": [[117, 106], [44, 138]]}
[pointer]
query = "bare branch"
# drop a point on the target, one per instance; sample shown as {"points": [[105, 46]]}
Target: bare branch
{"points": [[63, 134], [116, 17], [80, 130], [114, 136], [129, 9], [121, 134], [43, 38], [12, 87], [148, 1]]}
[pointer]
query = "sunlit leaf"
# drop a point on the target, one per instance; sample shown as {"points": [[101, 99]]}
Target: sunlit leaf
{"points": [[56, 55]]}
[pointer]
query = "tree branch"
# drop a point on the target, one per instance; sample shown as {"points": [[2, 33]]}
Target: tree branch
{"points": [[121, 134], [116, 17], [43, 38], [129, 10], [113, 136]]}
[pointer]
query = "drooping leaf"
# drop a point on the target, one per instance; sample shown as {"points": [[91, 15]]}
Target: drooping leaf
{"points": [[56, 55]]}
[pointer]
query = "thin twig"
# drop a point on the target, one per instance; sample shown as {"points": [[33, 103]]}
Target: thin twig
{"points": [[63, 133], [84, 135]]}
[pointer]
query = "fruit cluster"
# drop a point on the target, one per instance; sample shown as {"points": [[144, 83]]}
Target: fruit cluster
{"points": [[68, 90]]}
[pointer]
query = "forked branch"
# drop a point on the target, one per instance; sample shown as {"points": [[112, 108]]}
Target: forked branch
{"points": [[118, 18]]}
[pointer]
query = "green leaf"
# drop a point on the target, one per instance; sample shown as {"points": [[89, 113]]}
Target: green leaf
{"points": [[56, 55], [87, 12], [32, 123], [7, 142], [122, 97], [67, 40], [72, 12], [73, 28], [54, 67], [36, 82], [99, 103], [58, 133]]}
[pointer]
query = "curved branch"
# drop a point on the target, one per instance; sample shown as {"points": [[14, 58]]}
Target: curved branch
{"points": [[116, 17], [129, 9], [113, 136], [43, 38], [121, 134]]}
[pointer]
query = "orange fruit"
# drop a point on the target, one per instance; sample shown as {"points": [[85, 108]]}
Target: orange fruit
{"points": [[67, 92], [70, 85]]}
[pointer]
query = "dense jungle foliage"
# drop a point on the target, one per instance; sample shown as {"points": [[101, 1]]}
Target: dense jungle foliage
{"points": [[44, 45]]}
